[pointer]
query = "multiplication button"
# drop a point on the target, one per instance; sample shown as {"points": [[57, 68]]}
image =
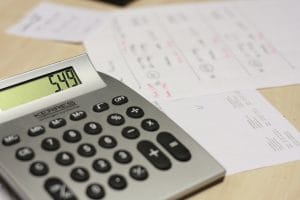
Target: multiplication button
{"points": [[135, 112]]}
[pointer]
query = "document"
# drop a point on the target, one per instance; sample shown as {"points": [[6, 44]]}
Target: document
{"points": [[190, 49], [57, 22], [4, 194], [240, 129]]}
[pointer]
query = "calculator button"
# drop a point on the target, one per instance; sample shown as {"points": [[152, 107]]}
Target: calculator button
{"points": [[36, 131], [174, 147], [100, 107], [50, 144], [72, 136], [10, 140], [58, 190], [65, 158], [39, 168], [80, 174], [154, 155], [57, 123], [78, 115], [117, 182], [130, 132], [107, 142], [86, 150], [25, 154], [150, 125], [135, 112], [138, 172], [119, 100], [92, 128], [102, 165], [115, 119], [123, 156], [95, 191]]}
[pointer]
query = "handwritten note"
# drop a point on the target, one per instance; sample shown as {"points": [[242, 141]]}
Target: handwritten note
{"points": [[191, 49], [58, 22], [240, 129]]}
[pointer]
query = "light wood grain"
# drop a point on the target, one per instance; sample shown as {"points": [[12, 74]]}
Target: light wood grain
{"points": [[17, 55]]}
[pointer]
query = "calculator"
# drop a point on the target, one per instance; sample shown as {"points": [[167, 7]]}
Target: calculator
{"points": [[71, 133]]}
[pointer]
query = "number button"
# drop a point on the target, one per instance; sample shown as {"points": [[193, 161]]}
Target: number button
{"points": [[123, 156], [95, 191], [93, 128], [65, 158], [150, 125], [10, 140], [117, 182], [39, 168], [72, 136], [80, 174], [25, 154], [107, 142], [138, 172], [130, 132], [115, 119], [135, 112], [102, 165], [100, 107], [57, 123], [50, 144], [78, 115], [36, 130], [119, 100], [58, 190], [86, 150]]}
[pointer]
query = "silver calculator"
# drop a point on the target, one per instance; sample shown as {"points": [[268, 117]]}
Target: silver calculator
{"points": [[71, 133]]}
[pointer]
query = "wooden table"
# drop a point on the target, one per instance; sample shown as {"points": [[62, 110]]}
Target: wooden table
{"points": [[280, 182]]}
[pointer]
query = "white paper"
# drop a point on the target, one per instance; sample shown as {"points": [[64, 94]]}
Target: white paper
{"points": [[58, 22], [191, 49], [4, 194], [240, 129]]}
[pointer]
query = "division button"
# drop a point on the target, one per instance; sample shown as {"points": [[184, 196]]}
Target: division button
{"points": [[65, 158], [50, 144], [80, 174], [174, 146], [119, 100], [92, 128], [150, 125], [100, 107], [115, 119], [102, 165], [107, 142], [130, 132], [36, 130], [154, 155], [138, 172], [123, 156], [95, 191], [72, 136], [39, 168], [117, 182], [58, 190], [78, 115], [86, 150], [25, 154], [135, 112], [57, 123], [10, 140]]}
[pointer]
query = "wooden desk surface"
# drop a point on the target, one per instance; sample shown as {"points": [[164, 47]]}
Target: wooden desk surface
{"points": [[281, 182]]}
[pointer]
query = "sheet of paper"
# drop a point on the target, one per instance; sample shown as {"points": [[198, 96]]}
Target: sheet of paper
{"points": [[4, 194], [191, 49], [240, 129], [58, 22]]}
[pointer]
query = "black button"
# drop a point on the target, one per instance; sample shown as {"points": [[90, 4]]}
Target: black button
{"points": [[135, 112], [138, 172], [154, 155], [100, 107], [123, 156], [115, 119], [78, 115], [80, 174], [10, 140], [174, 147], [93, 128], [50, 144], [102, 165], [130, 132], [65, 158], [36, 130], [58, 190], [57, 123], [86, 150], [39, 168], [119, 100], [95, 191], [72, 136], [25, 154], [117, 182], [107, 142], [150, 125]]}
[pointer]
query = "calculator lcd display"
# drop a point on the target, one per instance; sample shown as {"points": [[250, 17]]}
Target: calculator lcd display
{"points": [[37, 88]]}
